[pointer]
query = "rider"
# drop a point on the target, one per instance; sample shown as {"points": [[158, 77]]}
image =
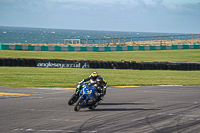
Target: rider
{"points": [[93, 79], [101, 87]]}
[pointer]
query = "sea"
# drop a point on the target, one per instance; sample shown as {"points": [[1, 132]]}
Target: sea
{"points": [[56, 36]]}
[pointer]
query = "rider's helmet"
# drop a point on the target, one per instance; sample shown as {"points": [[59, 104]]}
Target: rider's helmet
{"points": [[94, 75], [99, 81]]}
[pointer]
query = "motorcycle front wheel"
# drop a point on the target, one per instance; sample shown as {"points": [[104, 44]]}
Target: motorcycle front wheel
{"points": [[78, 104], [73, 99]]}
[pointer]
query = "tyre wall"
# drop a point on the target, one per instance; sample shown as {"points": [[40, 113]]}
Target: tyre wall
{"points": [[47, 63]]}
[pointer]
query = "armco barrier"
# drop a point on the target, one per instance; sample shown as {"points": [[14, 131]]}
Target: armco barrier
{"points": [[47, 63], [98, 48]]}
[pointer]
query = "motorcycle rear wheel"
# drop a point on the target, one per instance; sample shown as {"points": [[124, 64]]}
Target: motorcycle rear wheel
{"points": [[78, 104], [73, 99]]}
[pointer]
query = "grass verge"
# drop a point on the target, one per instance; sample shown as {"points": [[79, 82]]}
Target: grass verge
{"points": [[187, 55], [69, 77]]}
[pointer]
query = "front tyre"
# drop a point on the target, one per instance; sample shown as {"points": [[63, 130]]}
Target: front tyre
{"points": [[78, 104], [73, 99]]}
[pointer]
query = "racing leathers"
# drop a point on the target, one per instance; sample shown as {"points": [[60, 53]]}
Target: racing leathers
{"points": [[92, 78], [101, 87]]}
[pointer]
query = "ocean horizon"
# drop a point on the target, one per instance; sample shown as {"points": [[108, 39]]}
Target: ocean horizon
{"points": [[55, 36]]}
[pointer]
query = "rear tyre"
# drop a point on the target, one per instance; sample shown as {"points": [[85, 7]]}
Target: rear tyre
{"points": [[78, 104], [73, 99]]}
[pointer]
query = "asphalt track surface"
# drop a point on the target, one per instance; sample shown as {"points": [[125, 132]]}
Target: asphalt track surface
{"points": [[144, 109]]}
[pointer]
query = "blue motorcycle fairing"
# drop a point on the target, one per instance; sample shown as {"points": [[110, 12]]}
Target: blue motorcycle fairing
{"points": [[88, 94]]}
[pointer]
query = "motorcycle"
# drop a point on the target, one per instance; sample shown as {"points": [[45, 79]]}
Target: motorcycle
{"points": [[73, 99], [87, 97]]}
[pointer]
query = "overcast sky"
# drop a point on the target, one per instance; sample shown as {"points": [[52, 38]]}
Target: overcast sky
{"points": [[169, 16]]}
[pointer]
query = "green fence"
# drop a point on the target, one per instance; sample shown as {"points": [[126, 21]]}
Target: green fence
{"points": [[98, 48]]}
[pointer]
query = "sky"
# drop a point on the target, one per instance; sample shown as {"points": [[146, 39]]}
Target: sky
{"points": [[165, 16]]}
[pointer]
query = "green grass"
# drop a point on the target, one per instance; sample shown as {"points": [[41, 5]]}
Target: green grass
{"points": [[69, 77], [188, 55]]}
